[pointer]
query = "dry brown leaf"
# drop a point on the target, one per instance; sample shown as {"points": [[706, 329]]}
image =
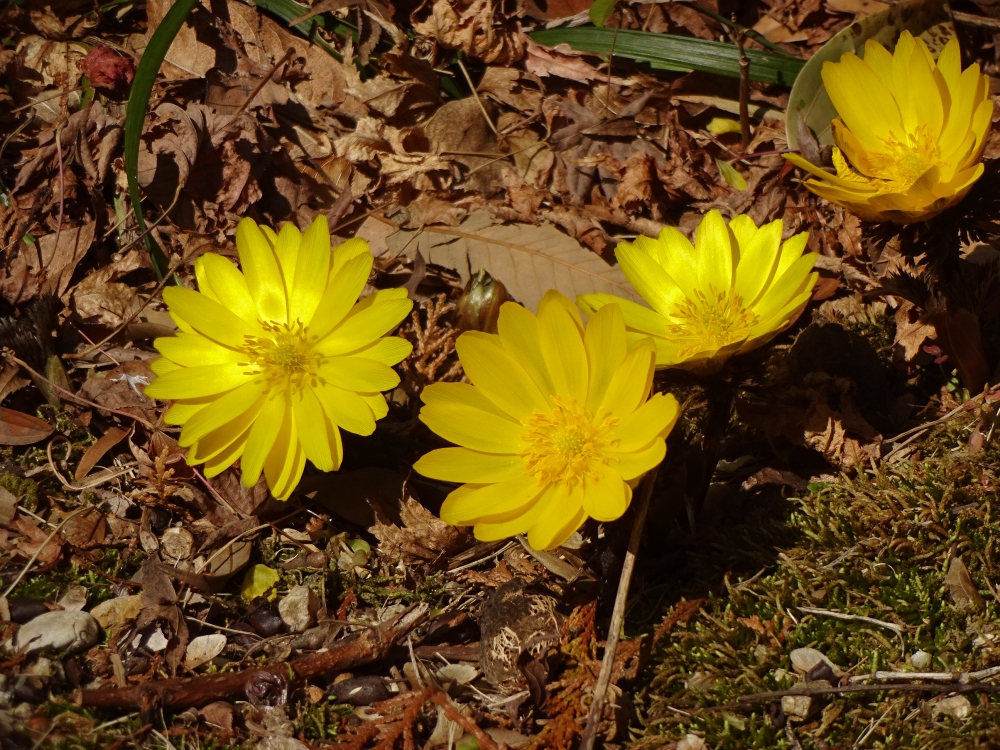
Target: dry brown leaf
{"points": [[423, 537], [195, 49], [912, 332], [29, 275], [34, 542], [963, 591], [528, 259], [96, 452], [18, 428], [470, 26], [86, 530]]}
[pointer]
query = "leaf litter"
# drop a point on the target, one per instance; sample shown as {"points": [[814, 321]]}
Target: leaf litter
{"points": [[481, 166]]}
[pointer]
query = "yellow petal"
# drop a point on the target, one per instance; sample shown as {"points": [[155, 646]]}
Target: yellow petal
{"points": [[870, 117], [650, 279], [563, 514], [631, 382], [606, 350], [757, 261], [785, 287], [227, 285], [376, 402], [193, 350], [472, 428], [260, 266], [562, 347], [314, 430], [637, 317], [286, 461], [162, 366], [272, 418], [194, 382], [518, 331], [347, 409], [653, 419], [389, 351], [225, 458], [181, 411], [286, 250], [463, 465], [361, 329], [225, 443], [311, 271], [358, 374], [634, 464], [498, 376], [245, 400], [340, 295], [492, 500], [210, 318], [607, 498], [491, 531], [347, 251], [713, 244]]}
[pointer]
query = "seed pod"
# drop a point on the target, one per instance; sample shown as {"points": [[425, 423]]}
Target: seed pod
{"points": [[479, 306]]}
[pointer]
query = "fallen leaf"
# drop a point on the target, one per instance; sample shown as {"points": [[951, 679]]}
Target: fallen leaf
{"points": [[963, 591], [96, 452], [86, 530], [527, 259], [472, 26], [257, 581], [18, 428], [422, 537], [203, 649], [35, 544]]}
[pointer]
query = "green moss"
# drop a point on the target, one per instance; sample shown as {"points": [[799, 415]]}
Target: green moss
{"points": [[25, 489], [876, 545]]}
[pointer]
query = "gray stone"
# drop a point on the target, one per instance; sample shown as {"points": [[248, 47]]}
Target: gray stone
{"points": [[64, 632], [298, 609]]}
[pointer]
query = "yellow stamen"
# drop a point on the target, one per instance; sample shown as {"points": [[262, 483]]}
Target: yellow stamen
{"points": [[286, 353], [709, 322], [564, 444]]}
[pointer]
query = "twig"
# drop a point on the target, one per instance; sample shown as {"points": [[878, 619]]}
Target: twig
{"points": [[905, 687], [740, 37], [184, 693], [475, 93], [79, 399], [899, 630], [972, 20], [617, 617], [935, 422], [963, 678]]}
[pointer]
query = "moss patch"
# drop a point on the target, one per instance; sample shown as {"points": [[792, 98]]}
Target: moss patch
{"points": [[876, 545]]}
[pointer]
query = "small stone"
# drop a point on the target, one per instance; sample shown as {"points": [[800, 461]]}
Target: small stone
{"points": [[63, 632], [360, 691], [203, 649], [957, 706], [298, 609], [114, 613], [25, 610], [921, 661], [804, 660], [157, 641], [798, 707], [176, 543]]}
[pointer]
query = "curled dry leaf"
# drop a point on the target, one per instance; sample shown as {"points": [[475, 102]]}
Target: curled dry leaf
{"points": [[963, 591], [423, 537], [470, 26]]}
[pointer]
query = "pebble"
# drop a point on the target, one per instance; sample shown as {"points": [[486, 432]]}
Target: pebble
{"points": [[114, 613], [65, 631], [298, 609], [360, 691], [920, 661], [798, 707], [957, 706], [203, 649]]}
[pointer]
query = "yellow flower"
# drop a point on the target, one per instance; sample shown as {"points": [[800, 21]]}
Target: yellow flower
{"points": [[553, 428], [270, 363], [733, 291], [911, 132]]}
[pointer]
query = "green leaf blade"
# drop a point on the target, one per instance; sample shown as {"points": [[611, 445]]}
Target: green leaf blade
{"points": [[674, 53]]}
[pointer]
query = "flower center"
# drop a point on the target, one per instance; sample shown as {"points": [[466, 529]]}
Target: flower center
{"points": [[905, 160], [285, 353], [564, 444], [710, 322]]}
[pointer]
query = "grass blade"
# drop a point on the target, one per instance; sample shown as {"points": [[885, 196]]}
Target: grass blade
{"points": [[135, 115], [288, 10], [677, 53]]}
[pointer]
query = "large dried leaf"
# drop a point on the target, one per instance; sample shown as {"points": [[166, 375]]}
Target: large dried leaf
{"points": [[528, 259], [809, 99], [18, 428]]}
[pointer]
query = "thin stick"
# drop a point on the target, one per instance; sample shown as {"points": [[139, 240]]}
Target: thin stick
{"points": [[62, 197], [617, 617], [476, 94], [740, 36]]}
